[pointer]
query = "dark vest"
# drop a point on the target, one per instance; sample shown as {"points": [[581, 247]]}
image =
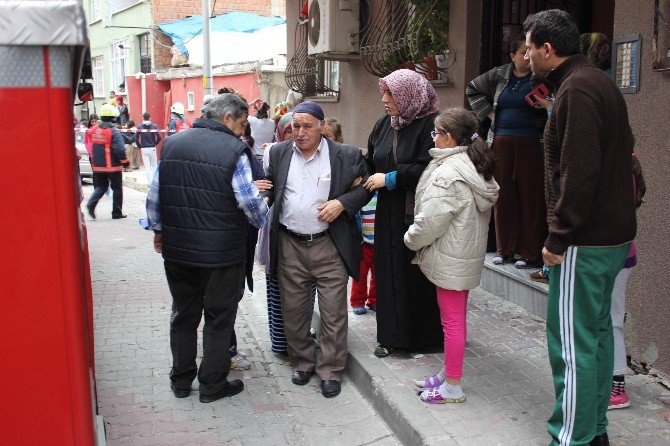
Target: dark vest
{"points": [[201, 223]]}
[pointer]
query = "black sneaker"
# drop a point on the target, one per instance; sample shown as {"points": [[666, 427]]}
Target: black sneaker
{"points": [[116, 217]]}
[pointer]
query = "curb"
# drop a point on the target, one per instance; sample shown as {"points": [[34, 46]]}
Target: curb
{"points": [[393, 401], [132, 183]]}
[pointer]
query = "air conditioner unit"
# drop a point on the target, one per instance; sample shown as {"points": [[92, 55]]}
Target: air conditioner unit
{"points": [[333, 29]]}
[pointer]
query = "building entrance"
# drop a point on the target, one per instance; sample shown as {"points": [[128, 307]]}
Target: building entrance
{"points": [[503, 19]]}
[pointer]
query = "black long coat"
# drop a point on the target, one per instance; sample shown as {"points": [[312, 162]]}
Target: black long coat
{"points": [[407, 312]]}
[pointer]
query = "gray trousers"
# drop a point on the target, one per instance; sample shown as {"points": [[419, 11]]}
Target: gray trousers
{"points": [[618, 313], [301, 264]]}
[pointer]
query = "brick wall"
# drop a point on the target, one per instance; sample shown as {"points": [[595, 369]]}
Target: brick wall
{"points": [[169, 10]]}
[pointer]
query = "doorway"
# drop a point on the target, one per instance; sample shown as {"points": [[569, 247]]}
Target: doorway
{"points": [[503, 19]]}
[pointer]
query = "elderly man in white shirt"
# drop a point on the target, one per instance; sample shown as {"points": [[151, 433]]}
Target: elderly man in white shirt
{"points": [[314, 239]]}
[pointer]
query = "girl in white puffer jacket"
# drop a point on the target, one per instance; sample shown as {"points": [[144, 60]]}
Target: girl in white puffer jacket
{"points": [[454, 198]]}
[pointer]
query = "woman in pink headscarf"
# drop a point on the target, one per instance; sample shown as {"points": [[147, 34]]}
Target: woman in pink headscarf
{"points": [[407, 312]]}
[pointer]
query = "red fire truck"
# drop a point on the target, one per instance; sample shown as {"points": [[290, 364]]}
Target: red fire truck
{"points": [[46, 333]]}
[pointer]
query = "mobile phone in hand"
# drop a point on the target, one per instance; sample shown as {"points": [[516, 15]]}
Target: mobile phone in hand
{"points": [[541, 91]]}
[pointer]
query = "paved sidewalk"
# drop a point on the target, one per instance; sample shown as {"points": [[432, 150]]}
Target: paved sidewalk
{"points": [[506, 378], [506, 372], [131, 317]]}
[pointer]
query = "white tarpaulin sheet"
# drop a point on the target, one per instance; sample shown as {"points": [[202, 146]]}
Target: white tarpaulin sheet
{"points": [[235, 47]]}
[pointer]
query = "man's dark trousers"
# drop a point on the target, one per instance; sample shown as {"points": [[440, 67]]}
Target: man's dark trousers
{"points": [[217, 291], [103, 180]]}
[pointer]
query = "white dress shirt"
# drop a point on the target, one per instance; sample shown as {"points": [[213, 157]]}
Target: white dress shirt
{"points": [[307, 187]]}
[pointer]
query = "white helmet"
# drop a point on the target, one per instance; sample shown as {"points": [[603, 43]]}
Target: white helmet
{"points": [[178, 108]]}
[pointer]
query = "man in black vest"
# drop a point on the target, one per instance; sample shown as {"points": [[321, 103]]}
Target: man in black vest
{"points": [[198, 207]]}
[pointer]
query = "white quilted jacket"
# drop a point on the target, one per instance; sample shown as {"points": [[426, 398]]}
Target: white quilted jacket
{"points": [[451, 220]]}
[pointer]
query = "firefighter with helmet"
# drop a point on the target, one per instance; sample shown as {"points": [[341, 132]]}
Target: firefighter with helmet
{"points": [[178, 123], [107, 160]]}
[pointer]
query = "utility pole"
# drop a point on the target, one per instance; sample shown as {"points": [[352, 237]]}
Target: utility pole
{"points": [[207, 61]]}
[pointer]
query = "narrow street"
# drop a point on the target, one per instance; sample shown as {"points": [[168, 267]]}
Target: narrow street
{"points": [[132, 312], [507, 377]]}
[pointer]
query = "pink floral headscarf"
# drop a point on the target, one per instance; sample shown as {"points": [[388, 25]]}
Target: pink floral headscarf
{"points": [[414, 96]]}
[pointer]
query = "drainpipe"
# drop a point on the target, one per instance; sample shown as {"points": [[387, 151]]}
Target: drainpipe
{"points": [[206, 63], [143, 81]]}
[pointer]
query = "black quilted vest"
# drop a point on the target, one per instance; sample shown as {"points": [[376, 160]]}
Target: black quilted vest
{"points": [[201, 223]]}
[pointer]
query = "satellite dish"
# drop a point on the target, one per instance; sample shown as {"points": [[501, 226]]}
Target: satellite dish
{"points": [[314, 18]]}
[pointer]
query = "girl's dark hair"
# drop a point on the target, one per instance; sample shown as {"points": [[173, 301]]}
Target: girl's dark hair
{"points": [[262, 113], [130, 124], [250, 139], [640, 186], [516, 42], [462, 124], [93, 116]]}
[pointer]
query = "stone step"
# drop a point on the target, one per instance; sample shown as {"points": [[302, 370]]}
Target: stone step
{"points": [[514, 285]]}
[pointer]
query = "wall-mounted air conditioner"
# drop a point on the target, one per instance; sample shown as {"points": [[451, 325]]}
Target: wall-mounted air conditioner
{"points": [[333, 29]]}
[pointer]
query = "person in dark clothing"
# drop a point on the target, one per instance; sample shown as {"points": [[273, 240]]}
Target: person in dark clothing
{"points": [[123, 116], [407, 312], [108, 159], [147, 141], [199, 206], [516, 130], [591, 218]]}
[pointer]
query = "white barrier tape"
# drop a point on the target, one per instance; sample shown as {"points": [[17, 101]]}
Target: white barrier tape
{"points": [[138, 131]]}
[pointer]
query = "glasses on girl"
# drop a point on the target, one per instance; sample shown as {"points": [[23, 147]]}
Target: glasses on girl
{"points": [[434, 133]]}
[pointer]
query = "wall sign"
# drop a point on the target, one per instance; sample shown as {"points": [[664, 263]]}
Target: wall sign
{"points": [[626, 62]]}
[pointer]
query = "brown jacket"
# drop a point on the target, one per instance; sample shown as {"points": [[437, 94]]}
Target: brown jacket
{"points": [[588, 145]]}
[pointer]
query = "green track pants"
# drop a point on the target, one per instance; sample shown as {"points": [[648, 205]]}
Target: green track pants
{"points": [[580, 341]]}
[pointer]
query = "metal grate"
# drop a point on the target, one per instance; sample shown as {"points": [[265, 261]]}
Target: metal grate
{"points": [[406, 34], [145, 64], [306, 75]]}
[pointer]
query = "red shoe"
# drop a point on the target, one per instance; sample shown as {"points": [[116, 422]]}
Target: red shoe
{"points": [[618, 399]]}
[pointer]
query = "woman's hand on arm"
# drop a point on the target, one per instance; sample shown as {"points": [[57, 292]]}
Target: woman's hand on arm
{"points": [[376, 181]]}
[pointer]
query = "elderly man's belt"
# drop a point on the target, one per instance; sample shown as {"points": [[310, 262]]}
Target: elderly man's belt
{"points": [[304, 237]]}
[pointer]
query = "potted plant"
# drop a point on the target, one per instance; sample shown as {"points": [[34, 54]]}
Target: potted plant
{"points": [[430, 23]]}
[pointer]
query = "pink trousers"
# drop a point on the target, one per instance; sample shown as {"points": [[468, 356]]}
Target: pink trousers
{"points": [[453, 309]]}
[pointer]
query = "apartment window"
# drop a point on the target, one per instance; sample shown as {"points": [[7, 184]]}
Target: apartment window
{"points": [[119, 5], [328, 73], [119, 61], [98, 77], [145, 53], [190, 100], [94, 10]]}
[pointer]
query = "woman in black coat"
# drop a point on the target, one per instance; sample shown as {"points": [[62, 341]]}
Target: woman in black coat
{"points": [[407, 312]]}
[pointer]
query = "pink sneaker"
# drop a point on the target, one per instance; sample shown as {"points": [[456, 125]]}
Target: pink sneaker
{"points": [[618, 399]]}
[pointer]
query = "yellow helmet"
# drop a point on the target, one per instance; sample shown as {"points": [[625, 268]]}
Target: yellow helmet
{"points": [[108, 111], [178, 108]]}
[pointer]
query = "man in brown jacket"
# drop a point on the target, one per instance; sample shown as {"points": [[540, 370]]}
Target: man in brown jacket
{"points": [[590, 212]]}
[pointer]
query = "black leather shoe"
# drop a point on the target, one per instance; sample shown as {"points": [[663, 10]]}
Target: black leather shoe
{"points": [[301, 378], [180, 393], [330, 388], [233, 388], [600, 440], [91, 211], [116, 217]]}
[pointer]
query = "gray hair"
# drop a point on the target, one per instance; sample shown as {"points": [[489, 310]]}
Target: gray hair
{"points": [[222, 104]]}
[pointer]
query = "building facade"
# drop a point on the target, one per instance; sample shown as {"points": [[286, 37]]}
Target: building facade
{"points": [[478, 34], [126, 44], [120, 33]]}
